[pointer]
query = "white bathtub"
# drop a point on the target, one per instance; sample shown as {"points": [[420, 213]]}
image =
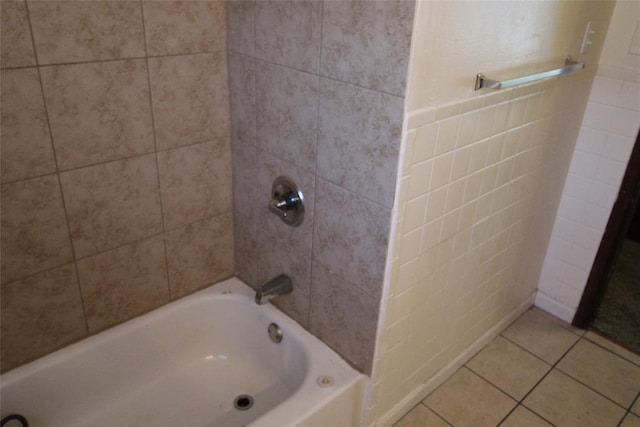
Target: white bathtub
{"points": [[183, 365]]}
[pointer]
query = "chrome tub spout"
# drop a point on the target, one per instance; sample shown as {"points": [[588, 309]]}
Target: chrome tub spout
{"points": [[279, 286]]}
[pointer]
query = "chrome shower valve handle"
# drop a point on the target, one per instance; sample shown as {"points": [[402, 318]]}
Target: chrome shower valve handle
{"points": [[287, 201]]}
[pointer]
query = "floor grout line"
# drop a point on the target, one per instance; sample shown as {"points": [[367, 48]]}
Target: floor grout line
{"points": [[551, 368]]}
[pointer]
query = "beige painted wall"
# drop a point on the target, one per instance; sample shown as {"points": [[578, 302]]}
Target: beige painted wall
{"points": [[479, 183], [454, 40]]}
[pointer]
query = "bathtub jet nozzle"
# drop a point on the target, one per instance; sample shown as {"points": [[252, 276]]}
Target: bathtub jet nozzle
{"points": [[279, 286]]}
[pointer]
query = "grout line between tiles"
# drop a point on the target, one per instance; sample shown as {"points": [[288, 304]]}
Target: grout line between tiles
{"points": [[57, 173], [133, 156], [521, 401], [613, 352], [163, 233], [155, 145], [320, 75], [437, 415], [126, 58]]}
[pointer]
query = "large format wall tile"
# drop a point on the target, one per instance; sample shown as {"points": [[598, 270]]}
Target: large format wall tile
{"points": [[367, 43], [350, 236], [288, 33], [358, 136], [26, 143], [242, 91], [40, 314], [185, 26], [35, 236], [274, 260], [195, 182], [245, 212], [77, 112], [286, 104], [112, 204], [190, 98], [77, 31], [343, 317], [240, 26], [200, 254], [16, 48], [98, 111], [138, 284]]}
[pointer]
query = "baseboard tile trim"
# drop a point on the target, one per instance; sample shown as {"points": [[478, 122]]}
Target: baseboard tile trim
{"points": [[554, 307], [416, 396]]}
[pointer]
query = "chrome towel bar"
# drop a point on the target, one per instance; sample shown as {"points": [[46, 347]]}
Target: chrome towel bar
{"points": [[570, 65]]}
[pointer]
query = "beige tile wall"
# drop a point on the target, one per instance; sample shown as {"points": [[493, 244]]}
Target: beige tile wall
{"points": [[481, 174], [317, 94], [116, 164], [479, 183]]}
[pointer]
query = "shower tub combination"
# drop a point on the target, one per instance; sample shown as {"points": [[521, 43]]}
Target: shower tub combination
{"points": [[205, 360]]}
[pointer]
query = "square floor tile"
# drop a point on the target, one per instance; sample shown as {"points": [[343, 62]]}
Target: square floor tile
{"points": [[421, 416], [611, 346], [542, 334], [466, 399], [521, 417], [603, 371], [565, 402], [509, 367], [636, 407], [630, 421]]}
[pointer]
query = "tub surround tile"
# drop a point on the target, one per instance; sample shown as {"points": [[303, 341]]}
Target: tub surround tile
{"points": [[467, 399], [344, 317], [541, 335], [98, 111], [103, 126], [185, 26], [200, 254], [79, 31], [112, 204], [564, 401], [40, 314], [507, 366], [190, 98], [614, 377], [195, 182], [26, 142], [248, 197], [286, 110], [16, 47], [245, 212], [274, 260], [521, 416], [367, 43], [271, 229], [358, 139], [242, 90], [240, 27], [35, 236], [246, 252], [138, 284], [288, 33], [352, 244]]}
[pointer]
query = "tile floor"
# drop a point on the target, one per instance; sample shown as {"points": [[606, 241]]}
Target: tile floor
{"points": [[539, 372]]}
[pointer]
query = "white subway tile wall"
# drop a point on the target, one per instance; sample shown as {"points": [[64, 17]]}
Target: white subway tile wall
{"points": [[606, 138], [479, 182]]}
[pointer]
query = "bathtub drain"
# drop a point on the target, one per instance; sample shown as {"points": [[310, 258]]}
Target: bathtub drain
{"points": [[243, 402]]}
